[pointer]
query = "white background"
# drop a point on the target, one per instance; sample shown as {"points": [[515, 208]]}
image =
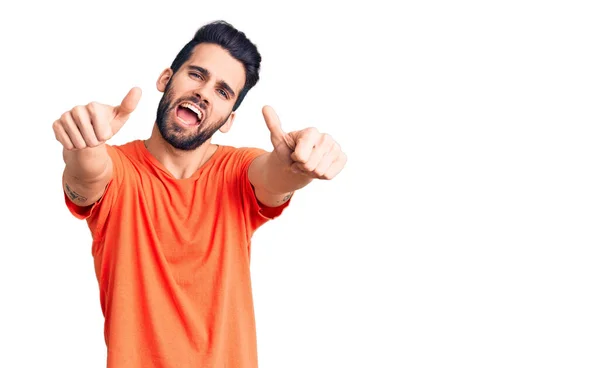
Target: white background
{"points": [[462, 233]]}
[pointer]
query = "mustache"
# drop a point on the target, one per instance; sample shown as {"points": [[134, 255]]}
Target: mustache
{"points": [[193, 99]]}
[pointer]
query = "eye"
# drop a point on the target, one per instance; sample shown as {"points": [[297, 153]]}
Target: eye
{"points": [[196, 75], [223, 93]]}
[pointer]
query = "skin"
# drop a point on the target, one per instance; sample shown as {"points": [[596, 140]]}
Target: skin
{"points": [[297, 158]]}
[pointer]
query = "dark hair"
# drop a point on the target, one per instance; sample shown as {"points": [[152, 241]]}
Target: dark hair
{"points": [[235, 42]]}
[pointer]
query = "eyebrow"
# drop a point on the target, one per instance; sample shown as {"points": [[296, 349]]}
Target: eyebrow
{"points": [[221, 83]]}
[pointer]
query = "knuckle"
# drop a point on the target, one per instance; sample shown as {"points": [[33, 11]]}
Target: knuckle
{"points": [[93, 106], [310, 167], [309, 133], [302, 158], [313, 133], [79, 112], [103, 135], [103, 138], [77, 109]]}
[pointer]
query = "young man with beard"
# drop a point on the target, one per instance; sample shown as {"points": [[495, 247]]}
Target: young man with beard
{"points": [[172, 217]]}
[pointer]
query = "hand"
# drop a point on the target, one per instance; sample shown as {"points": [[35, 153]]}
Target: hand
{"points": [[93, 124], [306, 151]]}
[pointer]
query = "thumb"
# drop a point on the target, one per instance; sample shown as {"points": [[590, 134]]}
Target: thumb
{"points": [[129, 103], [274, 124], [127, 106]]}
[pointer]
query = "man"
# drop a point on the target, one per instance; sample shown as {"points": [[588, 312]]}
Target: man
{"points": [[172, 216]]}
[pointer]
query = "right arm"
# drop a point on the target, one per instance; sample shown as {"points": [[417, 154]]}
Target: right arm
{"points": [[86, 174], [83, 132]]}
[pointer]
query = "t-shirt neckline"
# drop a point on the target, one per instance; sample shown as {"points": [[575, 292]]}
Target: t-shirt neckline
{"points": [[141, 147]]}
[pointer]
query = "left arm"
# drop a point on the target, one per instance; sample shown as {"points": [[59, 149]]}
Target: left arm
{"points": [[273, 181], [297, 159]]}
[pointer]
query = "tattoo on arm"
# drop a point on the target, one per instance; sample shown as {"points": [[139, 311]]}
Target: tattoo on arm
{"points": [[74, 195], [286, 198]]}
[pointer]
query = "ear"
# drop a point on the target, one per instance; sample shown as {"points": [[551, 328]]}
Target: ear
{"points": [[225, 128], [163, 79]]}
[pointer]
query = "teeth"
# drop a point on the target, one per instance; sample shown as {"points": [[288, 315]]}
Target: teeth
{"points": [[194, 109]]}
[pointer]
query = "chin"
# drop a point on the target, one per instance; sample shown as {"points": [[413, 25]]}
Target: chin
{"points": [[184, 139]]}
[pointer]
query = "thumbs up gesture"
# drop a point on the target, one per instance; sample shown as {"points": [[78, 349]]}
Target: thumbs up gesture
{"points": [[93, 124], [306, 151]]}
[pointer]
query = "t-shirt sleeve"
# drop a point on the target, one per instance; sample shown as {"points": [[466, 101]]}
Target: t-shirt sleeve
{"points": [[98, 211], [255, 212]]}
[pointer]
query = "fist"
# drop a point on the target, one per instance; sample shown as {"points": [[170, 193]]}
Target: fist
{"points": [[306, 151], [95, 123]]}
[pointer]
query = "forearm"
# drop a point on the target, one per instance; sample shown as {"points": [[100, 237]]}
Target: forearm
{"points": [[278, 178], [86, 165], [273, 181], [86, 174]]}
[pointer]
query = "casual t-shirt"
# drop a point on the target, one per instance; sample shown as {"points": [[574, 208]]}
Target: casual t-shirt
{"points": [[172, 260]]}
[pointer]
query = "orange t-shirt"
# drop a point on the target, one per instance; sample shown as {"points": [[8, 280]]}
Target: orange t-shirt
{"points": [[172, 259]]}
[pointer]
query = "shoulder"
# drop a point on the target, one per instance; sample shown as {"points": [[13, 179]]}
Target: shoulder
{"points": [[126, 149], [239, 156], [121, 154], [241, 153]]}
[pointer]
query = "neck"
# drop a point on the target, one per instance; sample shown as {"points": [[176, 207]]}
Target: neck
{"points": [[181, 164]]}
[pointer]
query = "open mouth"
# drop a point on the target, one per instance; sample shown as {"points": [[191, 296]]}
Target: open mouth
{"points": [[189, 114]]}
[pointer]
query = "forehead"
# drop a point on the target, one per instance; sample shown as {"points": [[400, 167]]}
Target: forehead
{"points": [[220, 64]]}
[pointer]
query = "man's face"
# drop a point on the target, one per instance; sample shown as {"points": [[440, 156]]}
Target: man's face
{"points": [[199, 98]]}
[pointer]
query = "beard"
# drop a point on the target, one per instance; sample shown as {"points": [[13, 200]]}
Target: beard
{"points": [[174, 134]]}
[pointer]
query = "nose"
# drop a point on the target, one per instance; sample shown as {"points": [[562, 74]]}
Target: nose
{"points": [[202, 93]]}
